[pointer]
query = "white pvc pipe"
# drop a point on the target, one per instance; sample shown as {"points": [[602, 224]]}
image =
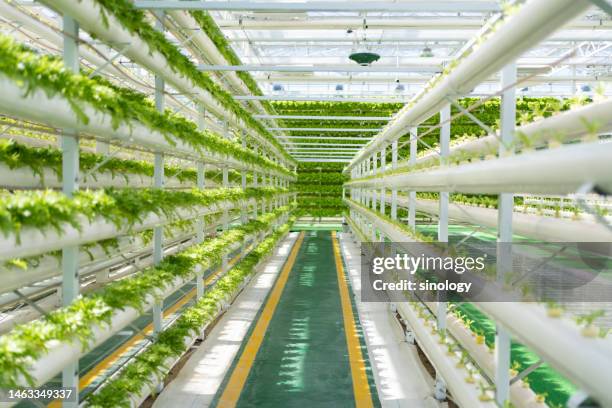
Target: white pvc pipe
{"points": [[521, 395], [534, 226], [558, 341], [210, 51], [587, 362], [107, 27], [465, 394], [561, 170], [61, 354], [94, 258], [535, 21], [24, 178], [35, 241], [138, 399], [55, 111], [568, 126]]}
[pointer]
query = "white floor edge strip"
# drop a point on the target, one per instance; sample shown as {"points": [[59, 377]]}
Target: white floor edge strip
{"points": [[401, 380]]}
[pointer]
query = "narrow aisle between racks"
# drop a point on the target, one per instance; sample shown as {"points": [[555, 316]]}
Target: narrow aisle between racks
{"points": [[306, 348]]}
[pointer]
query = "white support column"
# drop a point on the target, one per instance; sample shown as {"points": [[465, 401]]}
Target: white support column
{"points": [[255, 171], [200, 227], [158, 180], [243, 183], [200, 224], [225, 214], [412, 194], [394, 191], [70, 171], [374, 199], [504, 232], [444, 198], [383, 164]]}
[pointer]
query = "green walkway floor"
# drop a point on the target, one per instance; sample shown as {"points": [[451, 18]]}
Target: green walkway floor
{"points": [[303, 360]]}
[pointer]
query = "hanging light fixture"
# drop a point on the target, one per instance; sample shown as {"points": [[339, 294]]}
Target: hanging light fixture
{"points": [[427, 52], [364, 57]]}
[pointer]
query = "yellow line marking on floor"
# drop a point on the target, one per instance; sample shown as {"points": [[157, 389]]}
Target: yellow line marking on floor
{"points": [[112, 358], [361, 386], [234, 386]]}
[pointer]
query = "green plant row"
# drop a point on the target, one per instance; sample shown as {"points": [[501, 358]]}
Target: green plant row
{"points": [[46, 209], [171, 342], [315, 167], [316, 178], [319, 187], [317, 108], [28, 342], [135, 21], [47, 73], [214, 33], [320, 211], [16, 155], [316, 190], [313, 202], [417, 236]]}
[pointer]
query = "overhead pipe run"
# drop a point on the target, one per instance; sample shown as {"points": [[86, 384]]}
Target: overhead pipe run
{"points": [[535, 21], [562, 170]]}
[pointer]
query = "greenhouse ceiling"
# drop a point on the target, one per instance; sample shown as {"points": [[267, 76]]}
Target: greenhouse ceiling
{"points": [[299, 51]]}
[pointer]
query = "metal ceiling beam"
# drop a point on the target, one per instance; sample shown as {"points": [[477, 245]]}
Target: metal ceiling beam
{"points": [[322, 160], [352, 130], [324, 150], [328, 144], [358, 118], [319, 98], [321, 68], [367, 139], [381, 79], [416, 6]]}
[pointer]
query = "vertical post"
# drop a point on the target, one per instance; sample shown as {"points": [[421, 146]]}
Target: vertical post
{"points": [[225, 214], [383, 192], [243, 183], [504, 232], [158, 177], [394, 191], [70, 170], [412, 194], [200, 225], [444, 198]]}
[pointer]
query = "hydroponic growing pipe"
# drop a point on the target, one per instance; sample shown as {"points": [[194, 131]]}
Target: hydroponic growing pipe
{"points": [[553, 171], [563, 128], [56, 111], [35, 241], [585, 361], [107, 28], [529, 225], [535, 21]]}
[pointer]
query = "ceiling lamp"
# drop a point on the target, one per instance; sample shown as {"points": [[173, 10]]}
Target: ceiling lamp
{"points": [[364, 58], [339, 87], [277, 87], [399, 88], [427, 52]]}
